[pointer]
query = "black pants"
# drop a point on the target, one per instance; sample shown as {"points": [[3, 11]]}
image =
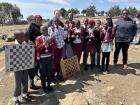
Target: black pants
{"points": [[21, 82], [92, 59], [45, 65], [105, 58], [124, 46], [98, 51], [33, 72], [98, 58]]}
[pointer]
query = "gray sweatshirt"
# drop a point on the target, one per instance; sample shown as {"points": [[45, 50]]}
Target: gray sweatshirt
{"points": [[125, 30]]}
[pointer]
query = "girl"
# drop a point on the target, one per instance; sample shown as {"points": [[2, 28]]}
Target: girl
{"points": [[77, 39], [98, 29], [90, 40], [107, 36], [34, 31], [67, 51]]}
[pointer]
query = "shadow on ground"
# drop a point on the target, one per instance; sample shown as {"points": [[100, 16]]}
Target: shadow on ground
{"points": [[76, 84], [132, 69]]}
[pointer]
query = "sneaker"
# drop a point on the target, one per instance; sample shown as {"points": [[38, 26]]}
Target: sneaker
{"points": [[50, 89], [98, 66], [125, 66], [114, 64], [54, 80], [17, 102], [33, 87], [100, 70], [59, 77], [92, 67], [86, 67], [108, 71], [26, 98]]}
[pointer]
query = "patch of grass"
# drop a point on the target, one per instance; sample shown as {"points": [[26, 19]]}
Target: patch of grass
{"points": [[9, 29], [2, 42]]}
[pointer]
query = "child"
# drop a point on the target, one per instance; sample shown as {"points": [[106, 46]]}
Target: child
{"points": [[85, 27], [67, 52], [77, 39], [34, 31], [98, 29], [90, 44], [31, 71], [44, 45], [21, 77], [57, 32], [107, 36]]}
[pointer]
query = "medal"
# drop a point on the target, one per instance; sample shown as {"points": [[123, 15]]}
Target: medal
{"points": [[89, 40]]}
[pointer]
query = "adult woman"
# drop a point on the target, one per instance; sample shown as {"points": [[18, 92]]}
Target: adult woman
{"points": [[34, 31], [125, 32], [57, 15], [34, 28]]}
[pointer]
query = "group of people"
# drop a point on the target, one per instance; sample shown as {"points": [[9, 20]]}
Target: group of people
{"points": [[57, 40]]}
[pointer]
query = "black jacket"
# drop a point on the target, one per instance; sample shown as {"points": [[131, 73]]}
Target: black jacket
{"points": [[34, 31], [125, 30]]}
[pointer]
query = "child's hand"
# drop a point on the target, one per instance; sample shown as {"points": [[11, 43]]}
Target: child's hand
{"points": [[86, 37], [73, 36], [112, 49], [45, 43]]}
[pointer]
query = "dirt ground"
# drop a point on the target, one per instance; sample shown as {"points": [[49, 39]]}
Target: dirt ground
{"points": [[119, 87]]}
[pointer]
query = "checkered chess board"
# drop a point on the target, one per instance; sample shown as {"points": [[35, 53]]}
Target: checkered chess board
{"points": [[19, 57], [70, 67]]}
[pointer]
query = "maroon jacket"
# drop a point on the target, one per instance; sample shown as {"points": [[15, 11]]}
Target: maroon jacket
{"points": [[91, 40], [107, 35], [81, 34], [97, 33], [41, 48]]}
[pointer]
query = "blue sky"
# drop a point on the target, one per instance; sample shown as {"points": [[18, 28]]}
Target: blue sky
{"points": [[45, 8]]}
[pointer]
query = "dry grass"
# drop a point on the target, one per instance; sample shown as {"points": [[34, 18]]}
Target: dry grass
{"points": [[9, 29]]}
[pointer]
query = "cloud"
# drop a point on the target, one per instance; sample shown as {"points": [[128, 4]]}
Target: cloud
{"points": [[63, 2], [40, 7], [30, 5], [93, 1], [124, 1]]}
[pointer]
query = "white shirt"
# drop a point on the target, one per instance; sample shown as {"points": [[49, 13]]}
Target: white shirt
{"points": [[45, 38], [16, 42], [90, 30], [58, 34], [77, 40]]}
